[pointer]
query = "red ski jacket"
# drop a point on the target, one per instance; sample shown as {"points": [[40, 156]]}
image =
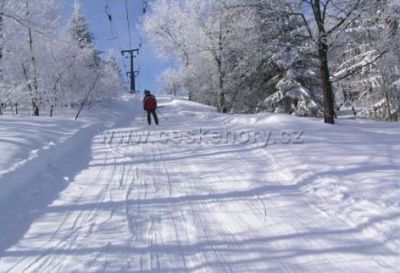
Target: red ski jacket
{"points": [[149, 103]]}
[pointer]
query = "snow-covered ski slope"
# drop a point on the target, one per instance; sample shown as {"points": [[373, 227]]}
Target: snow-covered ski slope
{"points": [[197, 194]]}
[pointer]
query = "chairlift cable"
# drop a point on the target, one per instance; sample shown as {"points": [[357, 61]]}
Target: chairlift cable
{"points": [[129, 24], [114, 26]]}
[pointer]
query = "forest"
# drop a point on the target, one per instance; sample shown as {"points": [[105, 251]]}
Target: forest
{"points": [[46, 66], [303, 57]]}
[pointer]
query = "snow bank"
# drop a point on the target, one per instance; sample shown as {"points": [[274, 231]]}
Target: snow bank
{"points": [[351, 171], [29, 145], [23, 138], [182, 105]]}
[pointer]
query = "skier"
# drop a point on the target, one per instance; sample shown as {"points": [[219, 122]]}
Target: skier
{"points": [[150, 105]]}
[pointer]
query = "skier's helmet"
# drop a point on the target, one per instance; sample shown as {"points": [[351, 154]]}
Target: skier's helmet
{"points": [[147, 92]]}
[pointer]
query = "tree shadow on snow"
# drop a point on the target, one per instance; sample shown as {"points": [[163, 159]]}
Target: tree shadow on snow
{"points": [[30, 200]]}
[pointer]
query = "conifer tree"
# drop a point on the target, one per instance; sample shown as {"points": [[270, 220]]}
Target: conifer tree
{"points": [[79, 31], [79, 28]]}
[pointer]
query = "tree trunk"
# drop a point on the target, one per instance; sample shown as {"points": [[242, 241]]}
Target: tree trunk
{"points": [[11, 108], [1, 46], [221, 99], [35, 108], [51, 110], [389, 110], [329, 109], [397, 117], [35, 99], [322, 43]]}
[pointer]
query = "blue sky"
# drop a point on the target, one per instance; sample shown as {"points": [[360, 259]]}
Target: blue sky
{"points": [[94, 11]]}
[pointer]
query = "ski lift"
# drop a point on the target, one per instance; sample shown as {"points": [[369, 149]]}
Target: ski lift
{"points": [[108, 13], [144, 7], [110, 19]]}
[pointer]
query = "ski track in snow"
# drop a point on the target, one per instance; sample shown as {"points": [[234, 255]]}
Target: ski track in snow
{"points": [[189, 208]]}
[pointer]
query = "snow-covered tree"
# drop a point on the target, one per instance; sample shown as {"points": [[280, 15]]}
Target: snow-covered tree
{"points": [[202, 33], [171, 81], [300, 57], [336, 32], [44, 67], [25, 28], [229, 56], [293, 85], [367, 66], [328, 20], [111, 83], [80, 32], [79, 28]]}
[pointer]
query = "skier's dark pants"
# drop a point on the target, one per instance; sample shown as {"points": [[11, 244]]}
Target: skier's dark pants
{"points": [[149, 113]]}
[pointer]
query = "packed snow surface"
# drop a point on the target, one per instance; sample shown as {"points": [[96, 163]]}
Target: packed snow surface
{"points": [[202, 192]]}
